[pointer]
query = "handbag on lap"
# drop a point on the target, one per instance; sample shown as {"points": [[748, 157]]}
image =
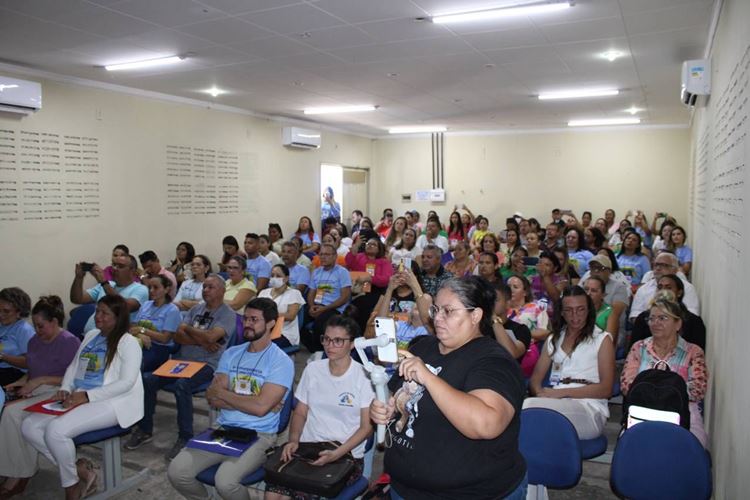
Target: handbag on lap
{"points": [[299, 474]]}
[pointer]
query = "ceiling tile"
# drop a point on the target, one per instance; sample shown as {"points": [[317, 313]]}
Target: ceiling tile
{"points": [[535, 54], [293, 19], [43, 9], [338, 37], [690, 15], [401, 50], [168, 13], [273, 47], [103, 22], [166, 40], [357, 12], [226, 30], [584, 30], [244, 6], [403, 29], [505, 39], [634, 6], [311, 60]]}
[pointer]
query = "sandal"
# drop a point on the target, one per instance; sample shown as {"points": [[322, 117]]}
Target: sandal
{"points": [[87, 473]]}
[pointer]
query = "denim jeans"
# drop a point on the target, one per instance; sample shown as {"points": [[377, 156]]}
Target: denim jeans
{"points": [[518, 494], [183, 393]]}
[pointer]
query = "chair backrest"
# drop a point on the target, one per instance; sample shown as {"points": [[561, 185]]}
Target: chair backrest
{"points": [[286, 411], [660, 460], [78, 318], [549, 443]]}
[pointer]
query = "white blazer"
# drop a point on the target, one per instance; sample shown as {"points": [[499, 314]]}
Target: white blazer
{"points": [[123, 386]]}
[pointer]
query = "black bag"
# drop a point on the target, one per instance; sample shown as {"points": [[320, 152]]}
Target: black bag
{"points": [[299, 475], [660, 390]]}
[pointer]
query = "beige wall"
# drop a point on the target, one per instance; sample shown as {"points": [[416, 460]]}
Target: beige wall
{"points": [[496, 175], [720, 222], [133, 132]]}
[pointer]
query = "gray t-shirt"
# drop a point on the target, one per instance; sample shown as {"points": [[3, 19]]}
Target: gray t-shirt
{"points": [[201, 317]]}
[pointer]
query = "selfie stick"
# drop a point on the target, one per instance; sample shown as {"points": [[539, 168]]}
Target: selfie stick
{"points": [[378, 375]]}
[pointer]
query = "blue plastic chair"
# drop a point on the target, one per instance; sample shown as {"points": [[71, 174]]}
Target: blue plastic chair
{"points": [[550, 445], [657, 460], [78, 318]]}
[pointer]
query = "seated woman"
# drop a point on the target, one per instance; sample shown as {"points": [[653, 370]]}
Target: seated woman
{"points": [[118, 251], [547, 284], [15, 333], [402, 299], [693, 329], [515, 265], [594, 287], [491, 244], [578, 256], [489, 268], [512, 241], [662, 234], [593, 239], [264, 248], [640, 224], [383, 227], [581, 361], [567, 271], [288, 301], [396, 232], [482, 228], [239, 290], [103, 387], [462, 263], [231, 248], [601, 225], [181, 265], [666, 349], [533, 248], [678, 247], [50, 352], [157, 320], [615, 240], [191, 291], [310, 239], [522, 309], [332, 238], [377, 272], [320, 416], [631, 260], [275, 237], [406, 251]]}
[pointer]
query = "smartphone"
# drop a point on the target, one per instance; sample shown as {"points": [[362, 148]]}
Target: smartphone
{"points": [[530, 261], [387, 327], [86, 267]]}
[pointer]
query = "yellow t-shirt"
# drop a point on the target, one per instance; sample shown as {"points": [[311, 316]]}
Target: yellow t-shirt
{"points": [[231, 290]]}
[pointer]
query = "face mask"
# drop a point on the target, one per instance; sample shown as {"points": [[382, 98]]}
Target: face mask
{"points": [[276, 282]]}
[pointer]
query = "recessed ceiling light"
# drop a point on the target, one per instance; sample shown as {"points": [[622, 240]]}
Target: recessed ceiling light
{"points": [[506, 11], [633, 110], [577, 93], [214, 91], [611, 55], [490, 65], [392, 75], [340, 109], [148, 63], [306, 34], [603, 121], [417, 129]]}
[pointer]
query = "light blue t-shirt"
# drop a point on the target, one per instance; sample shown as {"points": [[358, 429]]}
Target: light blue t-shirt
{"points": [[14, 340], [93, 356], [328, 284], [132, 291], [633, 267], [247, 372], [580, 260], [258, 268], [299, 275], [190, 290], [684, 254], [167, 318]]}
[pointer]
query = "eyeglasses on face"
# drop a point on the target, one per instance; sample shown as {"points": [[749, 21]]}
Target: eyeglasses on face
{"points": [[336, 341], [446, 311], [577, 311], [659, 318]]}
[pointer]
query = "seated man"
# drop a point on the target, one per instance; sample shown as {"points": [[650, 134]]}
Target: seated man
{"points": [[329, 294], [203, 335], [664, 263], [257, 266], [299, 276], [123, 268], [152, 267], [432, 236], [433, 274], [249, 388]]}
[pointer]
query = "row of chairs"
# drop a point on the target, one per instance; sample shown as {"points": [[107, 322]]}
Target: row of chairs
{"points": [[652, 460]]}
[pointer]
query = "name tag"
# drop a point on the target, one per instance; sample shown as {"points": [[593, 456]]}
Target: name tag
{"points": [[243, 385], [319, 294], [83, 367], [555, 374]]}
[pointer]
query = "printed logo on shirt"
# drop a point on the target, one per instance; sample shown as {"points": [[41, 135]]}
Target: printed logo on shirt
{"points": [[94, 362], [245, 385], [346, 399], [407, 404]]}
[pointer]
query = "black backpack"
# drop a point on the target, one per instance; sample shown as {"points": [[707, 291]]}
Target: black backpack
{"points": [[660, 390]]}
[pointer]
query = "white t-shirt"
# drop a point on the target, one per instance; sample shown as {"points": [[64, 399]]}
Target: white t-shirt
{"points": [[273, 258], [290, 330], [439, 240], [408, 256], [335, 403]]}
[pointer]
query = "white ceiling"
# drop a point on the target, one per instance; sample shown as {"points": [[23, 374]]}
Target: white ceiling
{"points": [[279, 56]]}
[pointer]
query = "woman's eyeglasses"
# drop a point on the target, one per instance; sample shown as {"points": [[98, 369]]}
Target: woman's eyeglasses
{"points": [[447, 312], [336, 341]]}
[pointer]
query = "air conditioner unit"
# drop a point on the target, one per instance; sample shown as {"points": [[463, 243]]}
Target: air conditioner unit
{"points": [[19, 96], [295, 137], [696, 80]]}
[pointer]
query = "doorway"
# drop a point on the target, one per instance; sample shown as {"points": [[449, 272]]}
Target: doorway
{"points": [[350, 188]]}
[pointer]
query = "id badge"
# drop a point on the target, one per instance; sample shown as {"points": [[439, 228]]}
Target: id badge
{"points": [[319, 293], [370, 268], [83, 365], [243, 387], [554, 376]]}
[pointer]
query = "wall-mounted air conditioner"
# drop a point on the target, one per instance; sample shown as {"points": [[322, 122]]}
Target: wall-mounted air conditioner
{"points": [[295, 137], [696, 80], [19, 96]]}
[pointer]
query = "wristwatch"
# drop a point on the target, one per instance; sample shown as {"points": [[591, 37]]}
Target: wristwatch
{"points": [[143, 331]]}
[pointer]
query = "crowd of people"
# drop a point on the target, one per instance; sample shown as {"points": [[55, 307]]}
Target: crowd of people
{"points": [[483, 317]]}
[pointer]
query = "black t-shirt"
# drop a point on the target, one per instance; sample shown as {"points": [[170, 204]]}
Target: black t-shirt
{"points": [[520, 331], [429, 458]]}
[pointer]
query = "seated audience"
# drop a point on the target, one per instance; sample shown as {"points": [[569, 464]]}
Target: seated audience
{"points": [[356, 218], [640, 224], [302, 259], [396, 232], [481, 228], [103, 387], [662, 236], [594, 288], [532, 244], [631, 260], [581, 361], [456, 230], [615, 240], [330, 292], [371, 285], [491, 244], [238, 289], [432, 236], [512, 241], [250, 385], [432, 273], [462, 263], [547, 284], [578, 256], [567, 272], [181, 265], [601, 225], [231, 248], [152, 267], [299, 276], [615, 294], [318, 398], [405, 302], [406, 251], [288, 301], [118, 251], [264, 248], [515, 337], [522, 309], [203, 336], [156, 323], [341, 250], [383, 227], [515, 265], [667, 350], [489, 268], [310, 239], [49, 353], [552, 237], [664, 263], [15, 334], [191, 291], [123, 285], [586, 219], [693, 329], [593, 239], [275, 236], [677, 246], [257, 267]]}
